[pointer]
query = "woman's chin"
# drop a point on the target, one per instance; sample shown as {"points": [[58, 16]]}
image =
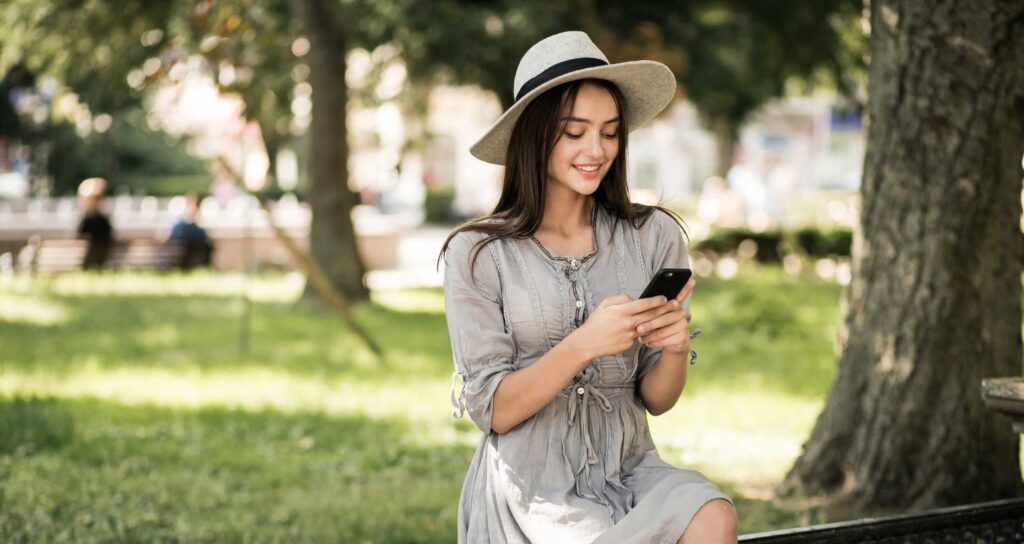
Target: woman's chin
{"points": [[586, 186]]}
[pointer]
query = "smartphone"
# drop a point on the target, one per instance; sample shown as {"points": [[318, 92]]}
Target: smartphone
{"points": [[668, 282]]}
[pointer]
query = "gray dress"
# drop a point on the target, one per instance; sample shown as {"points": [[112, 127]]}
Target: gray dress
{"points": [[584, 468]]}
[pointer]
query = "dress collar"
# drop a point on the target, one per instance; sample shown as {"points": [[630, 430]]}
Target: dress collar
{"points": [[575, 260]]}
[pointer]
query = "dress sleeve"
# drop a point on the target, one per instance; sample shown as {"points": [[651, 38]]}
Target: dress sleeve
{"points": [[663, 239], [482, 345]]}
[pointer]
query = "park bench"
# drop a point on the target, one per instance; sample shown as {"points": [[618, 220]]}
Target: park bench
{"points": [[56, 256], [996, 522]]}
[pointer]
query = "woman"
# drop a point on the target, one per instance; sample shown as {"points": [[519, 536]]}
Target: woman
{"points": [[559, 364]]}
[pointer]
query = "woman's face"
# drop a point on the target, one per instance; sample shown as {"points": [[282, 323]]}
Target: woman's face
{"points": [[585, 151]]}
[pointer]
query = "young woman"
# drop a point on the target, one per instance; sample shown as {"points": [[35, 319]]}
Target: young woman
{"points": [[559, 363]]}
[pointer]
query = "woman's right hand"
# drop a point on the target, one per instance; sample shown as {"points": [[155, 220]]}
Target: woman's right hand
{"points": [[612, 326]]}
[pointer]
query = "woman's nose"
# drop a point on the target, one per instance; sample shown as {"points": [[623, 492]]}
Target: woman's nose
{"points": [[594, 148]]}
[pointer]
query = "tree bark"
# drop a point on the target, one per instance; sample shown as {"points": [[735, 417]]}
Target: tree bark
{"points": [[332, 233], [726, 133], [935, 301], [271, 144]]}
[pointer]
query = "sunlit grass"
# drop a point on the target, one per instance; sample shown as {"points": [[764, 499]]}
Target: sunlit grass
{"points": [[15, 308], [193, 422]]}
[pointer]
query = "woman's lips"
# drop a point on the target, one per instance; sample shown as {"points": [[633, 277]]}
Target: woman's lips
{"points": [[588, 174]]}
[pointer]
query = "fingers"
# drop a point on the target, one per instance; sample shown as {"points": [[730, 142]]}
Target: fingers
{"points": [[654, 313], [687, 289], [663, 320], [643, 305], [675, 338], [612, 301], [666, 335]]}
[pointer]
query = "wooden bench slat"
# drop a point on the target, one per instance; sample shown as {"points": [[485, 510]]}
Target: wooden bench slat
{"points": [[54, 256]]}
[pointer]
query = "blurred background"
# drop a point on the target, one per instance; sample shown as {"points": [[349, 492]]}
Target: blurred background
{"points": [[224, 395]]}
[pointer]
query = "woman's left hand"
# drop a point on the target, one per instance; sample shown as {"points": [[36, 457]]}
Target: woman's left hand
{"points": [[671, 330]]}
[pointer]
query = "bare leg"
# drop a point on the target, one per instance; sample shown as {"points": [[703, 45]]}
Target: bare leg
{"points": [[714, 523]]}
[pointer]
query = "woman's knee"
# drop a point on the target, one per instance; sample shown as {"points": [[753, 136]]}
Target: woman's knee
{"points": [[714, 522]]}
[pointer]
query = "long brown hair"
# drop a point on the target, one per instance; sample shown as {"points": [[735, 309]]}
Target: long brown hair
{"points": [[520, 208]]}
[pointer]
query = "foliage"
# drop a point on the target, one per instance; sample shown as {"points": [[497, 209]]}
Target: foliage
{"points": [[438, 205], [146, 160], [771, 245], [91, 45], [821, 243], [180, 436]]}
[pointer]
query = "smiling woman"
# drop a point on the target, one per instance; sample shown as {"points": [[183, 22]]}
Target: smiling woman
{"points": [[560, 364]]}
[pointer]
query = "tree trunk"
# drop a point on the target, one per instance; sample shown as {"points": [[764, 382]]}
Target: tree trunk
{"points": [[332, 234], [726, 133], [271, 144], [935, 301]]}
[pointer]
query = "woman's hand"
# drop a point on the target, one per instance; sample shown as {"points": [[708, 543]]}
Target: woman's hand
{"points": [[612, 328], [670, 330]]}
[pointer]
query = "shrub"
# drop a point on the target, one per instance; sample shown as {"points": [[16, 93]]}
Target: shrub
{"points": [[772, 245], [438, 204]]}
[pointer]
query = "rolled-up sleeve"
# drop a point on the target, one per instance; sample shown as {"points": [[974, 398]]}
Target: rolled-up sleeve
{"points": [[482, 346], [661, 237]]}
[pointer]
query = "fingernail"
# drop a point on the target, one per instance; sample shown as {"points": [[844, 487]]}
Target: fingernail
{"points": [[641, 328]]}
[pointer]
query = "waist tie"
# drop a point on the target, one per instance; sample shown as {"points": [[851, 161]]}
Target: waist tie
{"points": [[579, 402]]}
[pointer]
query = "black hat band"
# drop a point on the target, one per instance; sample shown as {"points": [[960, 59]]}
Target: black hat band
{"points": [[557, 70]]}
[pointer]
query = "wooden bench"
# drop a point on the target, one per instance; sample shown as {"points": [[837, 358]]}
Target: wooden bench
{"points": [[990, 523], [56, 256]]}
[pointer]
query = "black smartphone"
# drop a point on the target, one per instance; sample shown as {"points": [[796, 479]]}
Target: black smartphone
{"points": [[668, 282]]}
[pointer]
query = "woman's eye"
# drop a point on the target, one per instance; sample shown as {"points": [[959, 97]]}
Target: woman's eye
{"points": [[572, 136]]}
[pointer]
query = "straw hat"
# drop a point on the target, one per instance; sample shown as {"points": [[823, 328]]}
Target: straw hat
{"points": [[648, 86]]}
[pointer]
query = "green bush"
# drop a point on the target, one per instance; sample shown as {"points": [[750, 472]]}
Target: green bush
{"points": [[729, 240], [166, 185], [772, 245], [33, 424], [438, 204], [818, 243]]}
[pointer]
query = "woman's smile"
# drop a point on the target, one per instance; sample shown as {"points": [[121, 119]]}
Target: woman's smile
{"points": [[588, 171]]}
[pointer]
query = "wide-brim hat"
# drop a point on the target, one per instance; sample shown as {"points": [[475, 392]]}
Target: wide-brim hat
{"points": [[647, 85]]}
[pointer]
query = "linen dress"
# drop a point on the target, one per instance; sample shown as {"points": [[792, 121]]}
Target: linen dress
{"points": [[584, 468]]}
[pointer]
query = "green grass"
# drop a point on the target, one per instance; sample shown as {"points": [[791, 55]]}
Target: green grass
{"points": [[157, 427]]}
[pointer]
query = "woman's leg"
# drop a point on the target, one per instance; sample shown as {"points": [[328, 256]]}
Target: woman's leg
{"points": [[714, 523]]}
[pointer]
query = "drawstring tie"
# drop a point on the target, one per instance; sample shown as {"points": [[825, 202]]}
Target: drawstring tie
{"points": [[458, 400], [579, 401]]}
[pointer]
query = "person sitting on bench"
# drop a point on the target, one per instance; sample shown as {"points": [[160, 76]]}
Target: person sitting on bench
{"points": [[94, 226], [198, 246]]}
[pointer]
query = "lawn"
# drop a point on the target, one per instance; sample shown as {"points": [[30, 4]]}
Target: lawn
{"points": [[129, 410]]}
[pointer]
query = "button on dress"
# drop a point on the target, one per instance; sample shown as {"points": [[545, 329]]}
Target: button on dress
{"points": [[584, 468]]}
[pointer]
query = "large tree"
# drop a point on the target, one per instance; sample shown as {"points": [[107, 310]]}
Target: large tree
{"points": [[935, 301]]}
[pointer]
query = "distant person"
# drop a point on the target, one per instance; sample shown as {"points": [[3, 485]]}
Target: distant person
{"points": [[718, 205], [198, 246], [780, 180], [224, 187], [94, 226], [746, 182]]}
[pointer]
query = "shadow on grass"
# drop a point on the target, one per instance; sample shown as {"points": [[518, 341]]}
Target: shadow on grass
{"points": [[759, 515], [142, 473], [762, 332], [199, 331]]}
